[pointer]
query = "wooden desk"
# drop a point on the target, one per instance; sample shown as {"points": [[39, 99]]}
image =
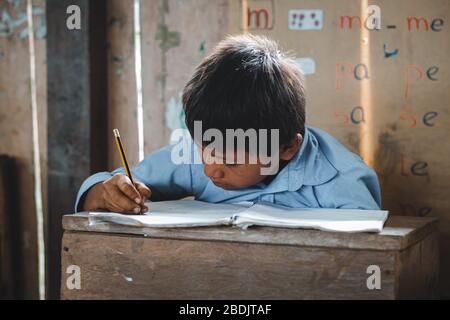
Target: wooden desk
{"points": [[121, 262]]}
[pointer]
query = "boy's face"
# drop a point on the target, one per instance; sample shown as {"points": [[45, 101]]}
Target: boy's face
{"points": [[234, 176], [239, 176]]}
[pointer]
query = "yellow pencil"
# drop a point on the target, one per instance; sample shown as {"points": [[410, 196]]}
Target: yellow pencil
{"points": [[122, 154]]}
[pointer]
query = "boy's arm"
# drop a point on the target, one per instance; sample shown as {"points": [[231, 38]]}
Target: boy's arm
{"points": [[157, 171], [353, 190]]}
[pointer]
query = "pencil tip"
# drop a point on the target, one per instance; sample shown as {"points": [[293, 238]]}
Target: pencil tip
{"points": [[116, 133]]}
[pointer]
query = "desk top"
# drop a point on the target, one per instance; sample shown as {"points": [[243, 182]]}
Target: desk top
{"points": [[399, 233]]}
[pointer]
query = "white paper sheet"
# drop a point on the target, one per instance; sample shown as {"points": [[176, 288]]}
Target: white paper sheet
{"points": [[341, 220], [191, 213], [180, 213]]}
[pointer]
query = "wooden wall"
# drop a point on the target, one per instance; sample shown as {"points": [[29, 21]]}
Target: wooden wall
{"points": [[122, 110], [16, 138], [383, 93], [169, 54], [77, 98], [396, 116]]}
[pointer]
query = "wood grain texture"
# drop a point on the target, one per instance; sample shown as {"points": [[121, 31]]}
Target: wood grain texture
{"points": [[118, 262], [40, 26], [398, 234], [122, 103], [418, 270], [16, 135], [175, 37], [72, 75], [137, 268]]}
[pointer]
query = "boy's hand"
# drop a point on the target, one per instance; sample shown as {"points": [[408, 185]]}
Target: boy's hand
{"points": [[118, 194]]}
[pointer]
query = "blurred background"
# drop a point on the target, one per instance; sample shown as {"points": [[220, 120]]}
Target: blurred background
{"points": [[71, 71]]}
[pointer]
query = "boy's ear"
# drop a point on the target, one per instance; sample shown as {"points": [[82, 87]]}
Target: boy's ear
{"points": [[287, 153]]}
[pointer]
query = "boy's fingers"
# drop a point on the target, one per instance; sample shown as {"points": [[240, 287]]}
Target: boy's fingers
{"points": [[113, 207], [144, 209], [143, 190], [118, 199], [129, 190], [135, 211]]}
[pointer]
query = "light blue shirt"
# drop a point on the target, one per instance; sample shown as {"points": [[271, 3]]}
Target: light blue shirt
{"points": [[323, 174]]}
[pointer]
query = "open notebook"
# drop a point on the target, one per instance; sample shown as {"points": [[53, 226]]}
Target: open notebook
{"points": [[192, 213]]}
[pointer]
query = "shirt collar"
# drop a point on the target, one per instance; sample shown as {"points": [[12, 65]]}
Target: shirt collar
{"points": [[309, 166]]}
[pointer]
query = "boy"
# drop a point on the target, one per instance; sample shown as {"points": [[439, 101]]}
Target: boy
{"points": [[244, 84]]}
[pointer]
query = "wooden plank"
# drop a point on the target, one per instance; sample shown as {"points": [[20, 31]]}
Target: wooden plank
{"points": [[40, 43], [98, 46], [122, 268], [72, 77], [398, 234], [175, 38], [418, 270], [16, 133], [122, 103], [156, 134]]}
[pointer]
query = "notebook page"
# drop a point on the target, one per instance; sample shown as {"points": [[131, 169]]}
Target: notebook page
{"points": [[171, 214], [340, 220]]}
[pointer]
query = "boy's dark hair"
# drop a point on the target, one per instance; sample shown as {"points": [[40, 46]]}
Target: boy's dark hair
{"points": [[246, 82]]}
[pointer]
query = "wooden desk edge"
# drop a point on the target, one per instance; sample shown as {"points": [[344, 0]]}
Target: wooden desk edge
{"points": [[392, 237]]}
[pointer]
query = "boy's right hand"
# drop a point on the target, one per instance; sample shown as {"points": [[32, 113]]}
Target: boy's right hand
{"points": [[118, 194]]}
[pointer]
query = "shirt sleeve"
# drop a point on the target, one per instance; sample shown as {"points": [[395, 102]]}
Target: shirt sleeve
{"points": [[353, 190], [157, 171]]}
